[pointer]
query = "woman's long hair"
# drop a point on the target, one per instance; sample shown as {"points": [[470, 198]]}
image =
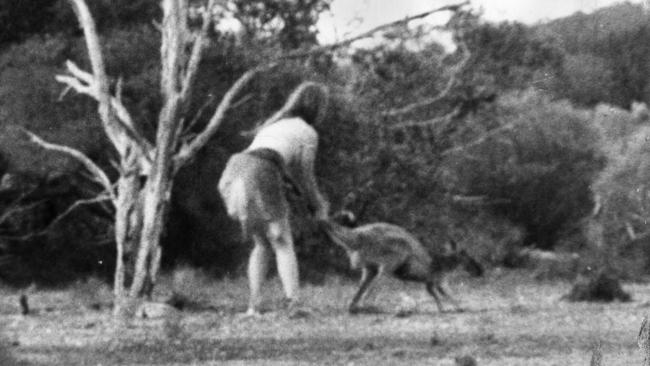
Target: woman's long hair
{"points": [[309, 101]]}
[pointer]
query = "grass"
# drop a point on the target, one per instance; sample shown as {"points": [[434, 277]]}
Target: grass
{"points": [[510, 320]]}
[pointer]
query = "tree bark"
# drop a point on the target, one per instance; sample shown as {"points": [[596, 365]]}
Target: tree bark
{"points": [[128, 224]]}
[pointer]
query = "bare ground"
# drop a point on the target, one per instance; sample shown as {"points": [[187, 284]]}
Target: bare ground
{"points": [[510, 320]]}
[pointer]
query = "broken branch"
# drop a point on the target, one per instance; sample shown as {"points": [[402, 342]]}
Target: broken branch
{"points": [[482, 138], [430, 122], [455, 70], [95, 170], [349, 41], [84, 83], [188, 151], [196, 54], [96, 84], [56, 220]]}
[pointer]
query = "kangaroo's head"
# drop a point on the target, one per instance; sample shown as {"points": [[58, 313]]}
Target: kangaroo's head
{"points": [[457, 258], [345, 218]]}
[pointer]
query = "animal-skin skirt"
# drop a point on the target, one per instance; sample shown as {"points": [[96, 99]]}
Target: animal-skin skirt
{"points": [[252, 189]]}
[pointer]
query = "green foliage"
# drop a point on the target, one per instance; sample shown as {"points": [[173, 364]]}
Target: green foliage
{"points": [[622, 186], [585, 79], [535, 174], [508, 56], [538, 172], [21, 19], [392, 75], [290, 23], [28, 99], [610, 47]]}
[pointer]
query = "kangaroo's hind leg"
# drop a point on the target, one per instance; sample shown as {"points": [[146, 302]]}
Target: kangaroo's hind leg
{"points": [[368, 275], [432, 287], [446, 294]]}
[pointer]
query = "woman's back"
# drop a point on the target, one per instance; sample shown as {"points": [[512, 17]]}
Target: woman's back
{"points": [[289, 137]]}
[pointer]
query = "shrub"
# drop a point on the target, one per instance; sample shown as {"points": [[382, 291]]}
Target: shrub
{"points": [[622, 189], [538, 171]]}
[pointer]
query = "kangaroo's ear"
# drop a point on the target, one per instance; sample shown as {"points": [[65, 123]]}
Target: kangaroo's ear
{"points": [[345, 218]]}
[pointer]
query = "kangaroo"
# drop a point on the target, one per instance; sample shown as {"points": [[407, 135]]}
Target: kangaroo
{"points": [[382, 248]]}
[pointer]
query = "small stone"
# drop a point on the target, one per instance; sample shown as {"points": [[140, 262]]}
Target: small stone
{"points": [[466, 361]]}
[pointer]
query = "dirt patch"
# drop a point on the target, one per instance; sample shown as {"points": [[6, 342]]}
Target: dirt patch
{"points": [[508, 322]]}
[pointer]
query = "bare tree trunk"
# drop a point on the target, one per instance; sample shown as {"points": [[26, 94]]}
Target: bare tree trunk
{"points": [[157, 193], [175, 93], [128, 223]]}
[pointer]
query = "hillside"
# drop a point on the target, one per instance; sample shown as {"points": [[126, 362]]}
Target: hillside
{"points": [[580, 30]]}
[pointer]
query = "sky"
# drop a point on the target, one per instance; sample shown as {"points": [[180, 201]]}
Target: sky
{"points": [[350, 17]]}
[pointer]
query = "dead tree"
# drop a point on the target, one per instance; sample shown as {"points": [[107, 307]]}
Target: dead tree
{"points": [[146, 169], [141, 193]]}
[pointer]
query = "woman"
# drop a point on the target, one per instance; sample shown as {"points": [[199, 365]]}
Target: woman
{"points": [[253, 187]]}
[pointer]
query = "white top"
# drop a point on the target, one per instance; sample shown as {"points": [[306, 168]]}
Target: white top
{"points": [[290, 137], [296, 142]]}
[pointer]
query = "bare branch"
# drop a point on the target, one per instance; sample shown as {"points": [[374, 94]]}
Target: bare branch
{"points": [[84, 83], [76, 84], [80, 74], [479, 200], [630, 230], [455, 70], [65, 91], [430, 122], [174, 28], [96, 171], [56, 220], [188, 151], [15, 207], [347, 42], [187, 130], [118, 91], [96, 84], [482, 138], [96, 59], [197, 54]]}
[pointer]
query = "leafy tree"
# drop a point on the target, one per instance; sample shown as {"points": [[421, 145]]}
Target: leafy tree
{"points": [[21, 19], [616, 39], [585, 79], [538, 171], [507, 56], [291, 23]]}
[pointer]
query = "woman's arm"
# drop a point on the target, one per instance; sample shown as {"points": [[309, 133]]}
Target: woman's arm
{"points": [[315, 199]]}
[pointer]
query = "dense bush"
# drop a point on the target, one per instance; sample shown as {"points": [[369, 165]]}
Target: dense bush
{"points": [[538, 171], [613, 43]]}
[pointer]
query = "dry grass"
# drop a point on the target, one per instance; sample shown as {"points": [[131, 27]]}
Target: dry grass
{"points": [[511, 320]]}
